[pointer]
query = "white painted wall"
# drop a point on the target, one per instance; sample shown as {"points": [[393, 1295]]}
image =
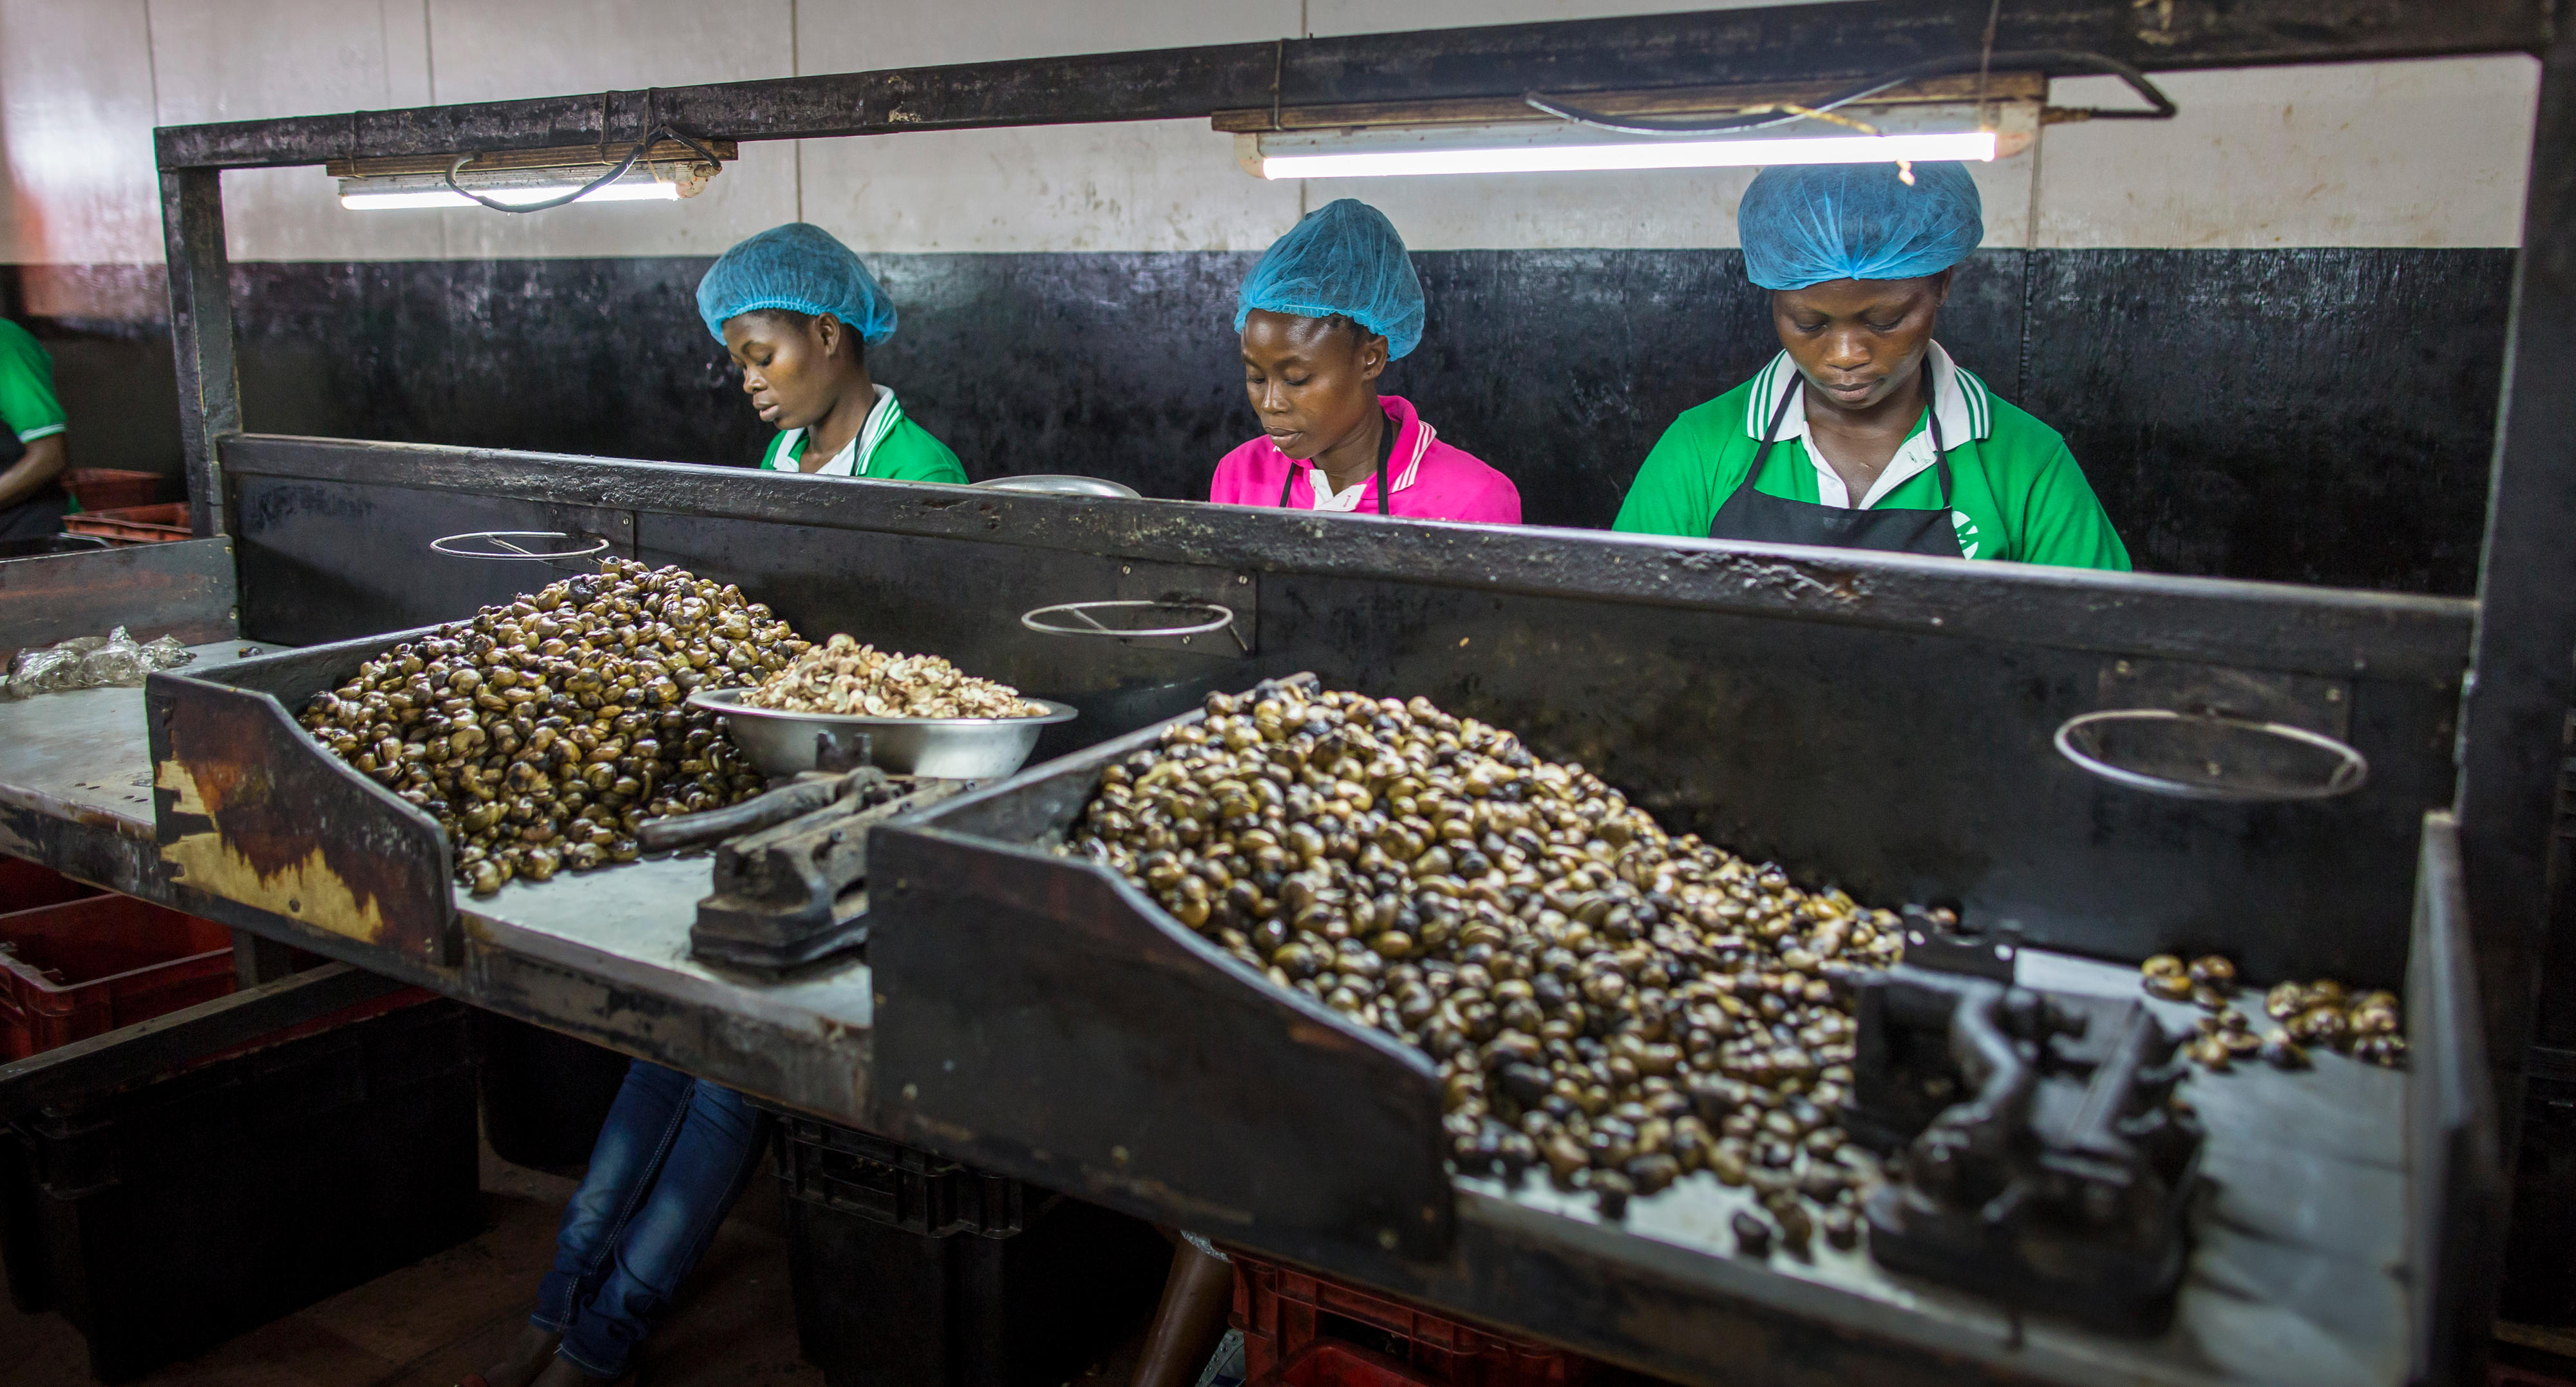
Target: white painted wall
{"points": [[2408, 154], [2388, 154]]}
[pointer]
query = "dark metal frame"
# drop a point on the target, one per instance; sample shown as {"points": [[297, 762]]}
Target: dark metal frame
{"points": [[2513, 731], [1803, 636], [2511, 734]]}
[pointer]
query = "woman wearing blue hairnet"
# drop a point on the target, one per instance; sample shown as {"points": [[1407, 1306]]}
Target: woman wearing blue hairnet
{"points": [[1862, 433], [1330, 304], [798, 312]]}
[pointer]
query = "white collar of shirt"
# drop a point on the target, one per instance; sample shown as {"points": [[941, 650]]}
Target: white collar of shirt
{"points": [[1959, 402], [852, 460], [1347, 501]]}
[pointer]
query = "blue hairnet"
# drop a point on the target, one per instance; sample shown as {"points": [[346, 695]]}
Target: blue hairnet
{"points": [[1804, 224], [802, 267], [1344, 257]]}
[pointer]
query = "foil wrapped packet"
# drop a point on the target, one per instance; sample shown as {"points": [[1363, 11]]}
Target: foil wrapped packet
{"points": [[115, 660]]}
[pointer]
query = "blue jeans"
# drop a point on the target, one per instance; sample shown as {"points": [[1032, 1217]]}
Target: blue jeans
{"points": [[670, 1161]]}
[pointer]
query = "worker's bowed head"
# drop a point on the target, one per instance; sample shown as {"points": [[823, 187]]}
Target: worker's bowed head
{"points": [[1805, 224], [798, 268], [1330, 304], [1342, 260]]}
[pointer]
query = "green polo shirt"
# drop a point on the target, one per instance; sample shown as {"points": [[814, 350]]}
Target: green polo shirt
{"points": [[28, 406], [2016, 493], [27, 402], [889, 448]]}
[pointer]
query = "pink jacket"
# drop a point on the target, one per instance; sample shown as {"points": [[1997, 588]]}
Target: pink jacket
{"points": [[1427, 479]]}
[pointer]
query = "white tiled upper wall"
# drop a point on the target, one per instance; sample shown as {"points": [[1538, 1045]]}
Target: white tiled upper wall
{"points": [[2412, 154]]}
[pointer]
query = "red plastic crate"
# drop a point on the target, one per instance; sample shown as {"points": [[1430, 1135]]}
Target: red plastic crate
{"points": [[86, 967], [1283, 1311], [24, 885], [1332, 1363], [106, 488], [157, 524]]}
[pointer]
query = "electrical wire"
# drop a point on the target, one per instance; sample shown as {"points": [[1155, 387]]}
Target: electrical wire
{"points": [[2159, 106], [620, 171]]}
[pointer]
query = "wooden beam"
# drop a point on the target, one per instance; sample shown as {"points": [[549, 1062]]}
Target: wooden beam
{"points": [[1811, 43], [1666, 102], [564, 157], [201, 334], [2516, 728]]}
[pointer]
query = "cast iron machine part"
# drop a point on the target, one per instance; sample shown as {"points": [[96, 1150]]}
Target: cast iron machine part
{"points": [[2040, 1157], [790, 875]]}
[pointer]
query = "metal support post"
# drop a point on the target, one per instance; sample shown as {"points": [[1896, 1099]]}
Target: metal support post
{"points": [[2523, 672], [257, 960], [201, 331]]}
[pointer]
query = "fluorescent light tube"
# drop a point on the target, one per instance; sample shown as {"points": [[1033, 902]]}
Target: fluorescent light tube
{"points": [[1927, 133], [1972, 145], [625, 190]]}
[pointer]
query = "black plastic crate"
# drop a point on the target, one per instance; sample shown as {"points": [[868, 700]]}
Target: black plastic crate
{"points": [[170, 1217], [888, 1294], [545, 1094], [887, 1182]]}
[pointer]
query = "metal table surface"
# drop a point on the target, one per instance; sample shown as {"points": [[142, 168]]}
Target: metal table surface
{"points": [[604, 956], [2297, 1277], [76, 781]]}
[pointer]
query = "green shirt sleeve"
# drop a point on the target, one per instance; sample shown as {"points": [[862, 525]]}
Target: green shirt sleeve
{"points": [[1675, 492], [27, 402], [909, 454], [2062, 521]]}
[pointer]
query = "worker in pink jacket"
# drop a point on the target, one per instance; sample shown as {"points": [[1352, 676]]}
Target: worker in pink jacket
{"points": [[1330, 304]]}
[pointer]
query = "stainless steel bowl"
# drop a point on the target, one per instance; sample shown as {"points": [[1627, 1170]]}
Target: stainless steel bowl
{"points": [[782, 744], [1052, 484]]}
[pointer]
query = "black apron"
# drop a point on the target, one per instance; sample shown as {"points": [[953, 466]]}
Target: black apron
{"points": [[1765, 519], [1385, 450]]}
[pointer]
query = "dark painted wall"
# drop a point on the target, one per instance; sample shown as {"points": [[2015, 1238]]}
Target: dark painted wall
{"points": [[2313, 415]]}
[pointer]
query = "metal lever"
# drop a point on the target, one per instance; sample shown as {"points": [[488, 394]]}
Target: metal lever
{"points": [[798, 797], [2210, 755]]}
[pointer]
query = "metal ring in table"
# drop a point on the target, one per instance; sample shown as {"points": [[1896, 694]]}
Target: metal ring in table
{"points": [[454, 546], [1211, 617], [2272, 761]]}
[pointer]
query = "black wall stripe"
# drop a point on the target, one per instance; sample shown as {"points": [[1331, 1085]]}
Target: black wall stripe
{"points": [[2312, 415]]}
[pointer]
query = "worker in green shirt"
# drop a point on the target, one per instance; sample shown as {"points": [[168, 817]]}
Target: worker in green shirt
{"points": [[31, 438], [798, 312], [1863, 433]]}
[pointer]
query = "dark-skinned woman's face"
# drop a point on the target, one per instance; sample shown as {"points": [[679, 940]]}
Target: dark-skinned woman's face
{"points": [[793, 367], [1312, 380], [1857, 341]]}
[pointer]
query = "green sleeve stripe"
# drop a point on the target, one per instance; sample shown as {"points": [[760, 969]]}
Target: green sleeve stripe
{"points": [[1979, 401], [880, 425], [1757, 406], [40, 431]]}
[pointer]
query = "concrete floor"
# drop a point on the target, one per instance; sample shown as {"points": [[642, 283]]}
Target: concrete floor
{"points": [[430, 1323]]}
